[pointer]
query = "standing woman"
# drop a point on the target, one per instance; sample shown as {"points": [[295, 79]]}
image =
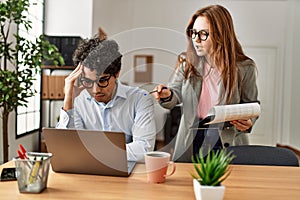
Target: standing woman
{"points": [[213, 71]]}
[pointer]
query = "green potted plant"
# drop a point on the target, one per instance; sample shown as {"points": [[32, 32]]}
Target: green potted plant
{"points": [[211, 171], [20, 61]]}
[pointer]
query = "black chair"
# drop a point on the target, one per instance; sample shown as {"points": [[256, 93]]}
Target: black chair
{"points": [[263, 155]]}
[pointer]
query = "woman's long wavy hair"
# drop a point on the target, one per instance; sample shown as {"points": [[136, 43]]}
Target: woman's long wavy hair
{"points": [[226, 49]]}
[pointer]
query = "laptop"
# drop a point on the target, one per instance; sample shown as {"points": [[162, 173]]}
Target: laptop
{"points": [[88, 152]]}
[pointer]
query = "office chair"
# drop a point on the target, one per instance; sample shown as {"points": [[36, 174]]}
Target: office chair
{"points": [[263, 155]]}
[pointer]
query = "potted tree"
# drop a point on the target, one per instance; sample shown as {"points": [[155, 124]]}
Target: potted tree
{"points": [[211, 171], [20, 61]]}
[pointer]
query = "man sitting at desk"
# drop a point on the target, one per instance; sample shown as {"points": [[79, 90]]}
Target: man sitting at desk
{"points": [[95, 99]]}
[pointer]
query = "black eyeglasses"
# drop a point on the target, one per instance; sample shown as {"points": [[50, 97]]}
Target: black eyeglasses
{"points": [[202, 34], [101, 82]]}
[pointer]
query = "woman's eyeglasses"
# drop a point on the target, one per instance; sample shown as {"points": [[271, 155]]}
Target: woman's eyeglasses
{"points": [[101, 82], [202, 34]]}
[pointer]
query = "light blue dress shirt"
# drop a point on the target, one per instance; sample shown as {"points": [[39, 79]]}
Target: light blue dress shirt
{"points": [[131, 111]]}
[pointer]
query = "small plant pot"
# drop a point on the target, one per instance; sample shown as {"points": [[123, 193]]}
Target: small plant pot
{"points": [[204, 192]]}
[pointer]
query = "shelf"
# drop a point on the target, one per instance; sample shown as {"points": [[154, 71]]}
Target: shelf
{"points": [[56, 91], [53, 79]]}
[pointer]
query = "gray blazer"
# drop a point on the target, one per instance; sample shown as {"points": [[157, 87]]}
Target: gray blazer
{"points": [[187, 92]]}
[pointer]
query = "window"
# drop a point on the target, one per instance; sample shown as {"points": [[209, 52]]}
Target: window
{"points": [[28, 118]]}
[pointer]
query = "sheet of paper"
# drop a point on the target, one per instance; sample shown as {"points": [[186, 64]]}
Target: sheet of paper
{"points": [[232, 112]]}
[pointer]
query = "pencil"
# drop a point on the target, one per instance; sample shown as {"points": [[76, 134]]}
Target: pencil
{"points": [[153, 91], [34, 170], [157, 90]]}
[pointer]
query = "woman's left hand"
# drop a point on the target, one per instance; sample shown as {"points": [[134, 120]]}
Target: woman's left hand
{"points": [[241, 124]]}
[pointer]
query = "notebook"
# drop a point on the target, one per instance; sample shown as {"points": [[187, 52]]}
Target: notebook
{"points": [[88, 152]]}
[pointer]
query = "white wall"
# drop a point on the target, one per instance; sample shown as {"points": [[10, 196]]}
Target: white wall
{"points": [[294, 109], [68, 17]]}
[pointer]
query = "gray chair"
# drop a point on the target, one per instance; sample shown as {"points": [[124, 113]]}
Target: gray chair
{"points": [[263, 155]]}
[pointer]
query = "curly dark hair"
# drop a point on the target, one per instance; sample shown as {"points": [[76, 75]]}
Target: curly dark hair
{"points": [[101, 55]]}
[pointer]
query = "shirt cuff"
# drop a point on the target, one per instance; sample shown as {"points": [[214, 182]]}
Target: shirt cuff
{"points": [[66, 119], [137, 149]]}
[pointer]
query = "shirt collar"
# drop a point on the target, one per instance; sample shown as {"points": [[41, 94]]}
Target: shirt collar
{"points": [[121, 90]]}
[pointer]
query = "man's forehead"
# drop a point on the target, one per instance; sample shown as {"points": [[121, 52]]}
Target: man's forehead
{"points": [[89, 72]]}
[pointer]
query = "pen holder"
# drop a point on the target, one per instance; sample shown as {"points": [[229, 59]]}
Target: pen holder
{"points": [[32, 173]]}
